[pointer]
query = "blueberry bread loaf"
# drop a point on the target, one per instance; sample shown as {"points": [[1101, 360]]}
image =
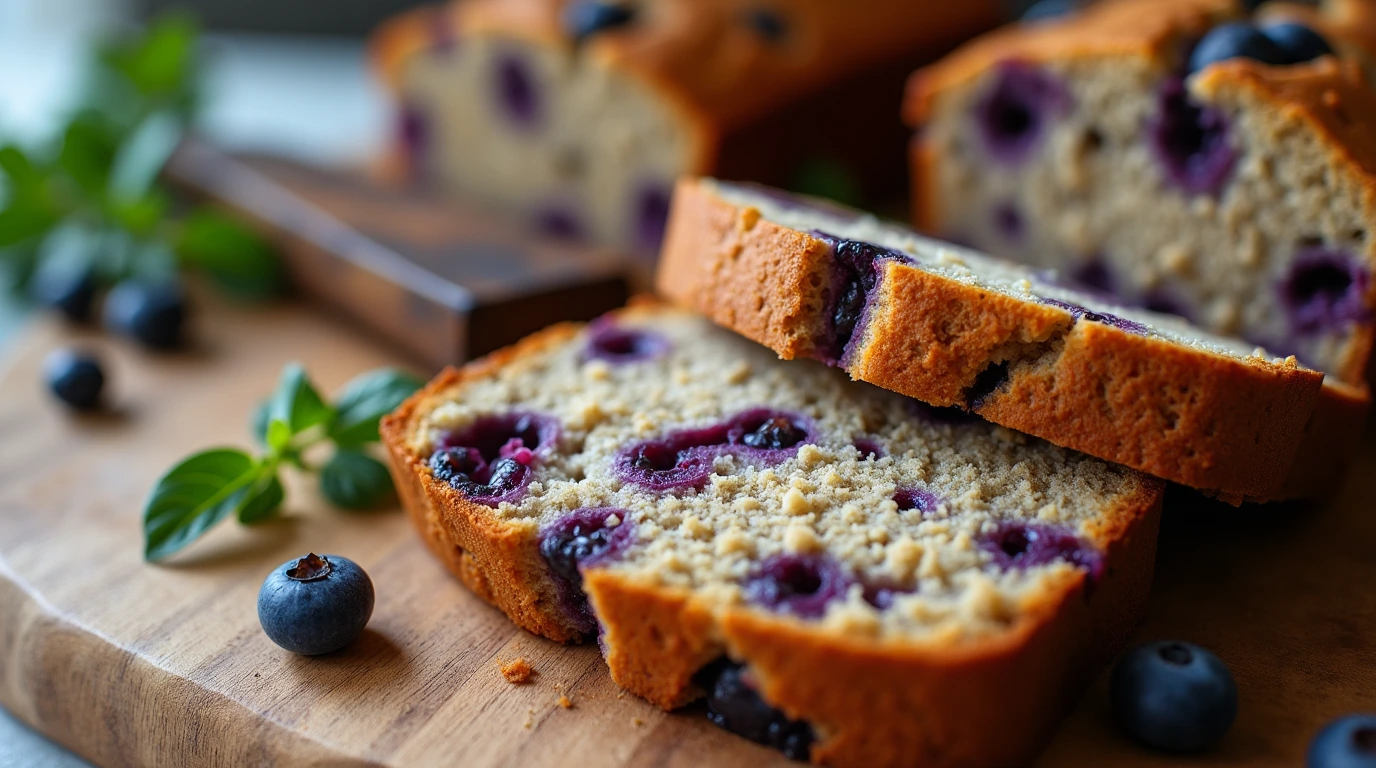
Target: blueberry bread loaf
{"points": [[1180, 155], [952, 327], [577, 115], [841, 572]]}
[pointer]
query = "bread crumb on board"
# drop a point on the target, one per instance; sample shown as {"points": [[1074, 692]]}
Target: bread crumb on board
{"points": [[566, 702], [518, 671]]}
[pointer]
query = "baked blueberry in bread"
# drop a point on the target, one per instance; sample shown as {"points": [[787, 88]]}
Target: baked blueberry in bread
{"points": [[842, 573], [952, 327], [1188, 156], [578, 115]]}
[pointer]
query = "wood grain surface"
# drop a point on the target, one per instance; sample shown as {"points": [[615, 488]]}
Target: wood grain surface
{"points": [[142, 665]]}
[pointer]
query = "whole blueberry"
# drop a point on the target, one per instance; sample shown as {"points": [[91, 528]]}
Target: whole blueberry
{"points": [[154, 312], [1297, 42], [1348, 742], [315, 604], [1045, 10], [1235, 40], [585, 19], [1173, 696], [67, 288], [75, 378]]}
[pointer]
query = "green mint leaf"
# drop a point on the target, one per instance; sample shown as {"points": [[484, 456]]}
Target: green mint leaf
{"points": [[235, 256], [354, 480], [140, 159], [295, 407], [263, 500], [27, 206], [159, 63], [258, 422], [193, 496], [88, 151], [365, 400]]}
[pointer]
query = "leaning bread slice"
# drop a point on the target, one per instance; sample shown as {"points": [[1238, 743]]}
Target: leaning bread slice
{"points": [[952, 327], [844, 573]]}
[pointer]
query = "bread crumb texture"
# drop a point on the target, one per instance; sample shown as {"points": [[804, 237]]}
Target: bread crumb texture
{"points": [[826, 498]]}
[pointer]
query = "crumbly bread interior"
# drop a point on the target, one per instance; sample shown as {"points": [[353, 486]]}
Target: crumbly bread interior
{"points": [[1093, 195], [572, 144], [827, 498], [974, 268]]}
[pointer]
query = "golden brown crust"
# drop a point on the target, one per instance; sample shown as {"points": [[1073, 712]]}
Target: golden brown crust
{"points": [[499, 560], [1193, 417], [1330, 441]]}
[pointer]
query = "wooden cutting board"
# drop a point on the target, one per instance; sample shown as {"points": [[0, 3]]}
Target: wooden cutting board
{"points": [[135, 664]]}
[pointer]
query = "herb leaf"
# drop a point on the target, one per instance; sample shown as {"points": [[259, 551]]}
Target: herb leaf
{"points": [[193, 496], [237, 258], [263, 500], [294, 408], [365, 400], [355, 480]]}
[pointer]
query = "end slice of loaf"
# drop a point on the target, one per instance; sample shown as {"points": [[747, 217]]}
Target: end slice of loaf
{"points": [[1241, 196], [953, 327], [891, 583]]}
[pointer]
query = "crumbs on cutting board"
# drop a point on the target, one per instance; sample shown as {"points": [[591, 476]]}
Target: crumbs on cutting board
{"points": [[518, 671], [566, 702]]}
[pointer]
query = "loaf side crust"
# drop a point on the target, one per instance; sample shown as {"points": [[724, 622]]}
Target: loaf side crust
{"points": [[1189, 416]]}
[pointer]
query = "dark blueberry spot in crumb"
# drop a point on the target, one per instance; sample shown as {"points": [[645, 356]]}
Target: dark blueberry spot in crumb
{"points": [[1093, 275], [684, 459], [801, 585], [856, 268], [1027, 545], [1105, 318], [918, 499], [1233, 40], [881, 594], [989, 381], [1297, 43], [1190, 141], [1159, 300], [775, 433], [516, 91], [492, 460], [585, 19], [1008, 221], [651, 215], [735, 705], [577, 540], [1012, 117], [559, 222], [413, 132], [768, 24], [621, 345], [1325, 290], [869, 448]]}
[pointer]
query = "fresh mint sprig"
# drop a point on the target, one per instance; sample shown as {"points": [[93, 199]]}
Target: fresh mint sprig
{"points": [[206, 487], [96, 182]]}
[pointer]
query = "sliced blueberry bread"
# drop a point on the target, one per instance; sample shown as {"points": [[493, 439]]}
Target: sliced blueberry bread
{"points": [[953, 327], [578, 115], [1189, 156], [843, 573]]}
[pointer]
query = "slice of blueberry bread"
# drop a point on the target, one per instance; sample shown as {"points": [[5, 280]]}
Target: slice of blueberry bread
{"points": [[953, 327], [1188, 156], [577, 115], [842, 573]]}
